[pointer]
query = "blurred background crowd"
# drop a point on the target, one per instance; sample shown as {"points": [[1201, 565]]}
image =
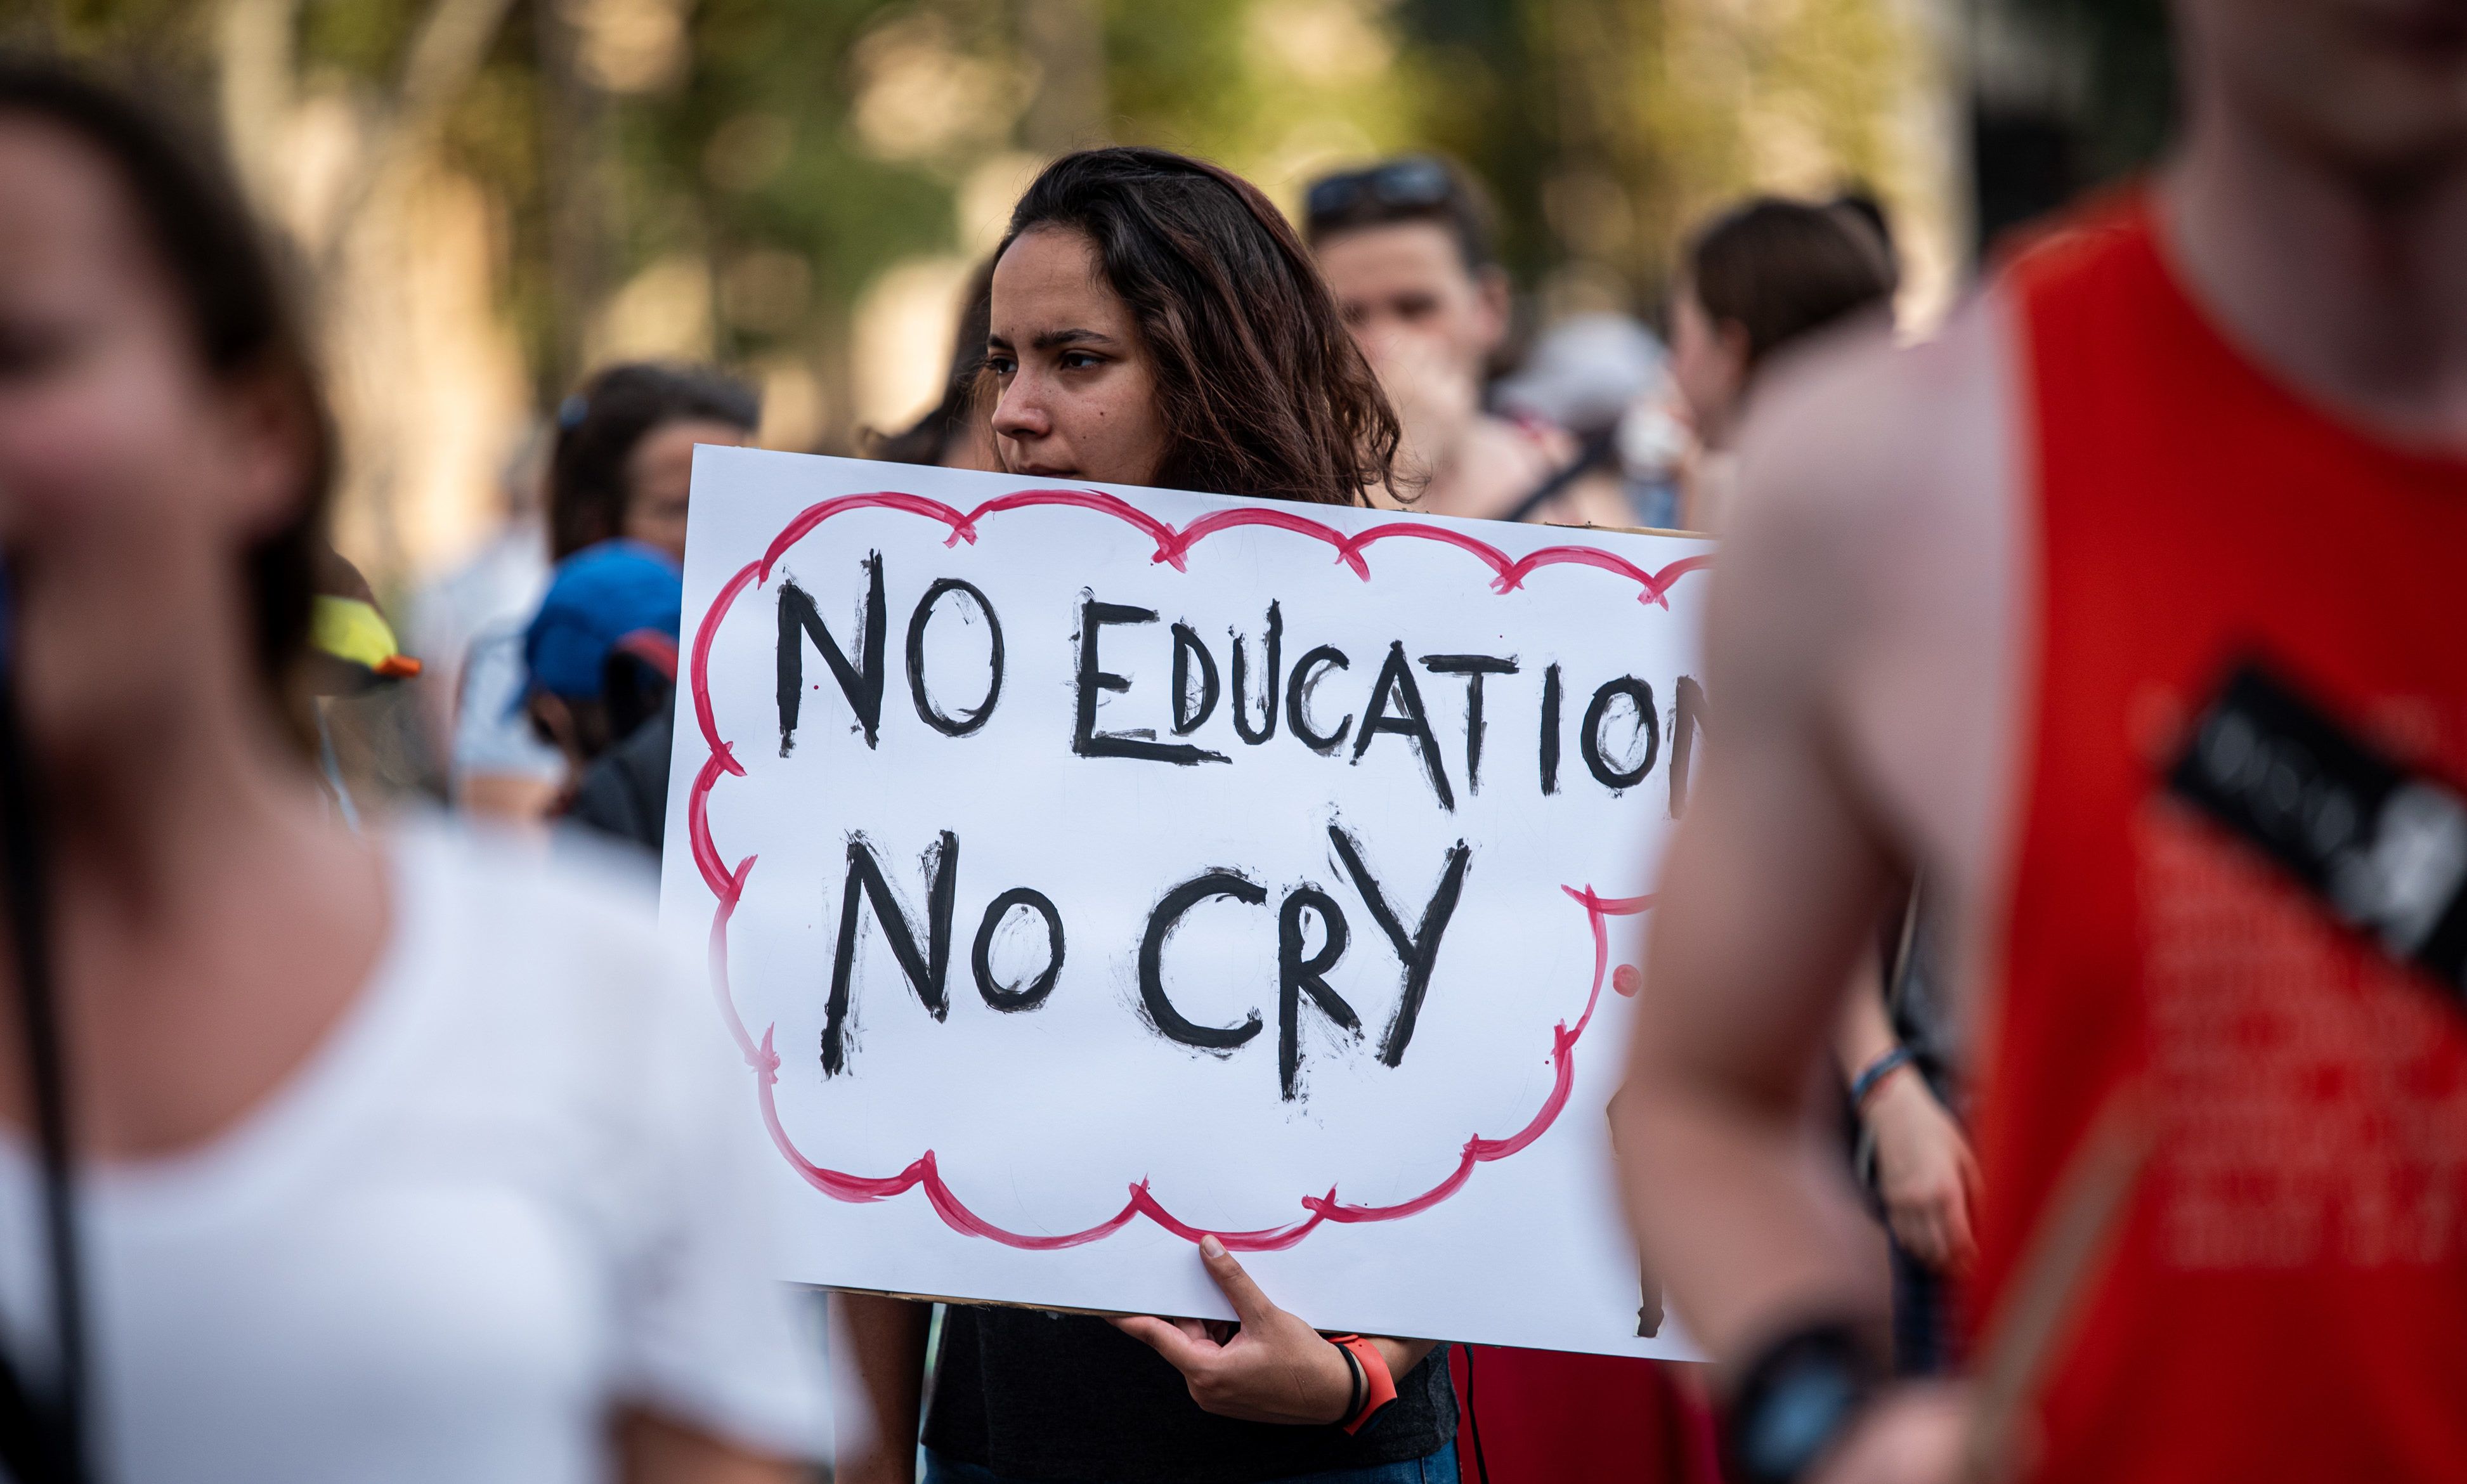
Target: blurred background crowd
{"points": [[491, 200]]}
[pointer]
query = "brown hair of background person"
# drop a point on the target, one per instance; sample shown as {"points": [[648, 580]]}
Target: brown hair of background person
{"points": [[592, 482], [1760, 276], [1408, 188], [1860, 202], [1780, 269], [244, 326], [1260, 390], [939, 436]]}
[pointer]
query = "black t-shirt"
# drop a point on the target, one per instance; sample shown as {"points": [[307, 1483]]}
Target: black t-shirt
{"points": [[625, 792], [1045, 1396]]}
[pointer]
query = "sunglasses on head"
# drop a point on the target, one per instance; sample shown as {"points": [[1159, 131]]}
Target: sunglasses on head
{"points": [[1417, 180]]}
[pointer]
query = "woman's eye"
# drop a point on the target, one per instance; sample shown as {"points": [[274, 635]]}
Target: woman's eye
{"points": [[1079, 360], [999, 364]]}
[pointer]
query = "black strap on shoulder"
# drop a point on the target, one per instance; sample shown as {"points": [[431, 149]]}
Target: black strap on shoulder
{"points": [[42, 1435], [1591, 452]]}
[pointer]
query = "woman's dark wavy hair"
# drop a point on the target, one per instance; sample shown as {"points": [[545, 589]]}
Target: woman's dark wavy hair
{"points": [[1259, 386], [238, 310], [597, 429]]}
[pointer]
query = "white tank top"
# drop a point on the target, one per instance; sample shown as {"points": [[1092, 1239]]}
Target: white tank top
{"points": [[514, 1190]]}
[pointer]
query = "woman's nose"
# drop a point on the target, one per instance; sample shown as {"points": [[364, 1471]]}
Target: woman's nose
{"points": [[1021, 412]]}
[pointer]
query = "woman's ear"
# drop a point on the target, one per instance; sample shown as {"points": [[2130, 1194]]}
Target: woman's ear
{"points": [[1736, 350], [1492, 284], [273, 438]]}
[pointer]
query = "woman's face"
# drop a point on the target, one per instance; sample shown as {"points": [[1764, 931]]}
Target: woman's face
{"points": [[1709, 363], [658, 474], [1077, 391], [130, 477]]}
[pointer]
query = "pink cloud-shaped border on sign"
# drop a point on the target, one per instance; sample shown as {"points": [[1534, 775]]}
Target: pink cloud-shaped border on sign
{"points": [[1172, 548]]}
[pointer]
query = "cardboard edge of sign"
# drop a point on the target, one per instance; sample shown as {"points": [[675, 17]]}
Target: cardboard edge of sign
{"points": [[1686, 1355], [1014, 1303], [1617, 530]]}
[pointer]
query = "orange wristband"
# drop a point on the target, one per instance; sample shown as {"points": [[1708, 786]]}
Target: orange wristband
{"points": [[1379, 1384]]}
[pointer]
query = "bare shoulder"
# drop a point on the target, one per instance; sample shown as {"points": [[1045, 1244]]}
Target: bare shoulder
{"points": [[1869, 446], [1875, 531]]}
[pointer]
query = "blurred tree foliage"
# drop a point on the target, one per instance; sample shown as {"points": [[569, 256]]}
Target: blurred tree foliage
{"points": [[778, 157]]}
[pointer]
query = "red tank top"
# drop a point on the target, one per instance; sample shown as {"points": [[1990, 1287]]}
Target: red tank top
{"points": [[2286, 1295]]}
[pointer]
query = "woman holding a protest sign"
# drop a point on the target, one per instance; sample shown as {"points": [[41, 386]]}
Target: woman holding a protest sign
{"points": [[401, 1160], [1155, 321]]}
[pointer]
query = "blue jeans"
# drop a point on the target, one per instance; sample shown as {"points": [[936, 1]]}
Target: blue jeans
{"points": [[1440, 1468]]}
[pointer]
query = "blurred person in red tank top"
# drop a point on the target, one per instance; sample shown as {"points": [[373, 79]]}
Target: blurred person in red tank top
{"points": [[1976, 595]]}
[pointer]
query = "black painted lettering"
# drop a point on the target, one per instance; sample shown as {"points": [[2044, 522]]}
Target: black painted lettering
{"points": [[1190, 714], [1299, 973], [1085, 739], [1648, 726], [1396, 707], [1163, 919], [927, 711], [1014, 998], [1418, 951], [926, 966], [861, 683], [1551, 730], [1268, 692], [1473, 667], [1298, 686]]}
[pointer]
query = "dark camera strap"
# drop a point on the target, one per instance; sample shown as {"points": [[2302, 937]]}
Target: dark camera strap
{"points": [[2381, 846], [1589, 453], [43, 1430]]}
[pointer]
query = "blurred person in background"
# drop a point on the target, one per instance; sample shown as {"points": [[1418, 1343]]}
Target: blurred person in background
{"points": [[621, 466], [2062, 612], [1155, 322], [1762, 277], [623, 790], [623, 461], [1405, 246], [491, 591], [1901, 1049], [405, 1160], [1606, 379], [602, 659]]}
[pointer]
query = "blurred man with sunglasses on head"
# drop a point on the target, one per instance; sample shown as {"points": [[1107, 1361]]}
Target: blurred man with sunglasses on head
{"points": [[1406, 247]]}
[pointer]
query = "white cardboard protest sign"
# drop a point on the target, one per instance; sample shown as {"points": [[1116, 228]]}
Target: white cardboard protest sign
{"points": [[1085, 869]]}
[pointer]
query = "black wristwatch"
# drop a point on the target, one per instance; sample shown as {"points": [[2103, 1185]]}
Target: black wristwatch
{"points": [[1800, 1396]]}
